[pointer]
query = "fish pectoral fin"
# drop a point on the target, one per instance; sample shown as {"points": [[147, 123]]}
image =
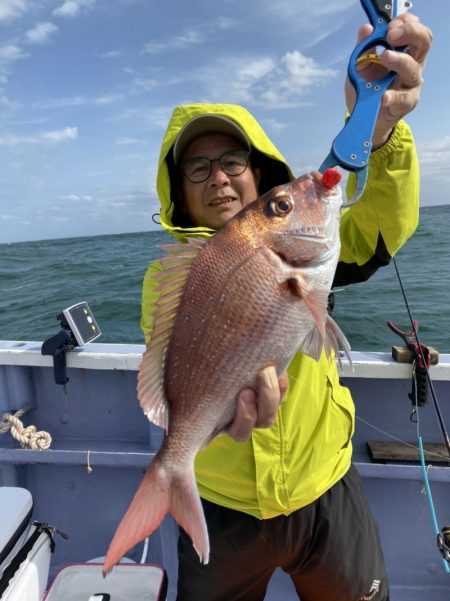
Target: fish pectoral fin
{"points": [[175, 268], [316, 301], [313, 344], [326, 332], [335, 339], [317, 304]]}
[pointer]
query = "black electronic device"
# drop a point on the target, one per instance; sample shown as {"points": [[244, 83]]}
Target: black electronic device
{"points": [[81, 321], [78, 328]]}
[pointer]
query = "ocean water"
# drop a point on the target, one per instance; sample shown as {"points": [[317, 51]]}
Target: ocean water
{"points": [[40, 279]]}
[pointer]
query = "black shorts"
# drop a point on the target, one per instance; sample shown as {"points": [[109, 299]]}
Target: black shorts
{"points": [[331, 550]]}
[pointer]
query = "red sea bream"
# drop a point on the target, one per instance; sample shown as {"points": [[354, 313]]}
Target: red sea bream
{"points": [[251, 296]]}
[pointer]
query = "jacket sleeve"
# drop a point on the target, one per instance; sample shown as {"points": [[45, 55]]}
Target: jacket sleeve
{"points": [[375, 227], [149, 299]]}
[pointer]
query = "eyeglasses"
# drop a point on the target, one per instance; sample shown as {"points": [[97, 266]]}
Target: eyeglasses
{"points": [[198, 169]]}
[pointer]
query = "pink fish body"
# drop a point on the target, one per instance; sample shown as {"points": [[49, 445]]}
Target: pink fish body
{"points": [[251, 296]]}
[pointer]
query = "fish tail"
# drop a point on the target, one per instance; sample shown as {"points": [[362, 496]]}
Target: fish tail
{"points": [[187, 510], [158, 494], [145, 513]]}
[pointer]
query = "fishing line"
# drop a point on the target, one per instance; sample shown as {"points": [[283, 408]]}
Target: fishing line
{"points": [[419, 346], [427, 484], [443, 536], [385, 432], [403, 442]]}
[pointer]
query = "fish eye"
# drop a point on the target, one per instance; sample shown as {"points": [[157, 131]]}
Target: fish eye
{"points": [[282, 205]]}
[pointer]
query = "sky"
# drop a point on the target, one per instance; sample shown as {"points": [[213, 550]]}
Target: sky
{"points": [[87, 88]]}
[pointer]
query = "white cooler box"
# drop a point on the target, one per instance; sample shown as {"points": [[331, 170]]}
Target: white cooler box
{"points": [[126, 582], [25, 548]]}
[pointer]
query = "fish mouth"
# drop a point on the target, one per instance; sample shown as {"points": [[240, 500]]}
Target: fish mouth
{"points": [[317, 239], [311, 233]]}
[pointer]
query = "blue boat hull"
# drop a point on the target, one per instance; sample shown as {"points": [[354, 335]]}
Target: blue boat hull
{"points": [[102, 444]]}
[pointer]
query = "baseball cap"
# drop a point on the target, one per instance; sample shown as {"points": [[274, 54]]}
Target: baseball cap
{"points": [[207, 124]]}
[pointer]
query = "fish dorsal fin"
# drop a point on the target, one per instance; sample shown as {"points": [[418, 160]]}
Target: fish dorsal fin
{"points": [[171, 280]]}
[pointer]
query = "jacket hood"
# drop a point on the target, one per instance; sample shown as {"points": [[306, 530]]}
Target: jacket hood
{"points": [[274, 169]]}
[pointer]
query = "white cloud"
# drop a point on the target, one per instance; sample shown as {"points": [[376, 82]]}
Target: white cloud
{"points": [[274, 125], [46, 137], [263, 81], [311, 22], [150, 119], [11, 9], [77, 198], [6, 103], [14, 220], [230, 79], [72, 8], [41, 33], [71, 101], [320, 36], [145, 84], [60, 135], [434, 159], [108, 99], [308, 15], [435, 151], [190, 37], [111, 54], [55, 103], [256, 69], [177, 42], [127, 141], [290, 81], [9, 53], [225, 23]]}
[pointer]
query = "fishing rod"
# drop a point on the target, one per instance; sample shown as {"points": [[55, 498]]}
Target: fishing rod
{"points": [[419, 349], [442, 535]]}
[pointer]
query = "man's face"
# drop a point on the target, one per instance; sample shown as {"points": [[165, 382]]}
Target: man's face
{"points": [[213, 202]]}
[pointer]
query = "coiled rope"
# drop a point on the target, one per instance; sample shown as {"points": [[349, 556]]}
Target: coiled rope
{"points": [[28, 437]]}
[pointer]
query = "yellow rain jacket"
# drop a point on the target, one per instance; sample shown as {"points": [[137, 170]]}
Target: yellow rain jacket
{"points": [[308, 449]]}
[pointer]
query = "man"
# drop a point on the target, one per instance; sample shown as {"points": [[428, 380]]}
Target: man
{"points": [[281, 490]]}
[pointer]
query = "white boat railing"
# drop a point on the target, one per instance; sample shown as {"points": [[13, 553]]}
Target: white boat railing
{"points": [[370, 364]]}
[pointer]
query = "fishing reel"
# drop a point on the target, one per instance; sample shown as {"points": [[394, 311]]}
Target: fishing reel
{"points": [[443, 543]]}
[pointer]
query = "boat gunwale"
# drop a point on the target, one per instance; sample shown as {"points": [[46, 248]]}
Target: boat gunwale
{"points": [[108, 356]]}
